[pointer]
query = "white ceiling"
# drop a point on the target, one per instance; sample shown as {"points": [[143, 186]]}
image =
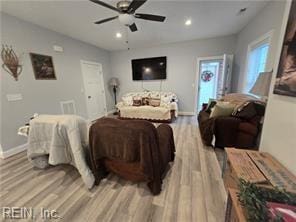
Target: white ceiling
{"points": [[75, 18]]}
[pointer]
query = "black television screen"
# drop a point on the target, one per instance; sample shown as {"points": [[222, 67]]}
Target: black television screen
{"points": [[149, 69]]}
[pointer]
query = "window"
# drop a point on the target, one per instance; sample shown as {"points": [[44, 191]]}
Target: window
{"points": [[257, 58]]}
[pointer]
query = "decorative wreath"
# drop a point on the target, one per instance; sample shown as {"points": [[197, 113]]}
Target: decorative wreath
{"points": [[207, 76]]}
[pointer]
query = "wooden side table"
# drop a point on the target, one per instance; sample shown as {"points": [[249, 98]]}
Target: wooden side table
{"points": [[234, 210]]}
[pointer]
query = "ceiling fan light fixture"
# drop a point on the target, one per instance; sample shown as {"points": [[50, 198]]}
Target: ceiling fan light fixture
{"points": [[118, 35], [126, 19], [127, 15], [123, 5]]}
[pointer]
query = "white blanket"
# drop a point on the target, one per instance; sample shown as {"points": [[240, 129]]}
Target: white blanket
{"points": [[64, 138]]}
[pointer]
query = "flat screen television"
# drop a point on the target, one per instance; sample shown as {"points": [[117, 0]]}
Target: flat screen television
{"points": [[149, 68]]}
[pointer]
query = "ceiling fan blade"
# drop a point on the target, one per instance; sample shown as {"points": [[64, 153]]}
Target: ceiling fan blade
{"points": [[105, 5], [106, 20], [133, 27], [156, 18], [135, 5]]}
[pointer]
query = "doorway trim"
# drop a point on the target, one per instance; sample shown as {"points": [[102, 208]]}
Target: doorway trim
{"points": [[1, 152], [197, 77], [85, 96]]}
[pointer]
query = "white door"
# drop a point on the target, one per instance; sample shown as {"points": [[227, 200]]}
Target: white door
{"points": [[208, 80], [214, 78], [94, 89]]}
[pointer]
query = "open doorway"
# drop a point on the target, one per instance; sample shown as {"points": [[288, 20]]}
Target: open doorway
{"points": [[214, 78]]}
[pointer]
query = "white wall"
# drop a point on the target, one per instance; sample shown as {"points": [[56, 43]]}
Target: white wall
{"points": [[270, 18], [181, 66], [43, 96], [279, 131], [278, 135]]}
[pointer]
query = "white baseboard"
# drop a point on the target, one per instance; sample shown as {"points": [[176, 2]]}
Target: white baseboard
{"points": [[13, 151], [186, 113], [111, 111]]}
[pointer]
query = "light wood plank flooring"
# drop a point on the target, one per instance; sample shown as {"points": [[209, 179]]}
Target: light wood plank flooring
{"points": [[192, 190]]}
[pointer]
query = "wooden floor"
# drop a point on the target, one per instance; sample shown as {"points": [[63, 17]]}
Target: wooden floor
{"points": [[192, 191]]}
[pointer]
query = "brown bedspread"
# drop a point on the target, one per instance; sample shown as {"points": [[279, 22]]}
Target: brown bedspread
{"points": [[131, 142]]}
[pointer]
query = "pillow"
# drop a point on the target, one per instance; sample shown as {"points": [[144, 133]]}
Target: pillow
{"points": [[154, 102], [145, 101], [246, 112], [165, 99], [137, 101], [211, 104], [127, 100], [249, 110], [222, 109]]}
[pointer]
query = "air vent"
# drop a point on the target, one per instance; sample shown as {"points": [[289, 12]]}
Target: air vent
{"points": [[68, 107]]}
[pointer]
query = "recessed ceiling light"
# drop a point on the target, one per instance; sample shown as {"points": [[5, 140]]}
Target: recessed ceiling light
{"points": [[188, 22], [118, 35]]}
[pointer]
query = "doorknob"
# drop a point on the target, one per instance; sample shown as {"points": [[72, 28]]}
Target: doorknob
{"points": [[89, 97]]}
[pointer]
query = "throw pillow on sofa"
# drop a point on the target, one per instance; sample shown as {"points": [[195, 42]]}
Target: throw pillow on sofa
{"points": [[249, 110], [211, 104], [137, 101], [222, 109], [154, 102], [145, 101], [246, 111], [127, 100], [165, 99]]}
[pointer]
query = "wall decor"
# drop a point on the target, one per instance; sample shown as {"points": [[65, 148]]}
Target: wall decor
{"points": [[286, 75], [206, 76], [42, 66], [11, 63]]}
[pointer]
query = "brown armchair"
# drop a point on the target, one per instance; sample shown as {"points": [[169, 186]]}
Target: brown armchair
{"points": [[133, 149], [240, 130]]}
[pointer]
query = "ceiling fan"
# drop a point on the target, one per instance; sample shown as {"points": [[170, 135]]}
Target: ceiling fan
{"points": [[127, 15]]}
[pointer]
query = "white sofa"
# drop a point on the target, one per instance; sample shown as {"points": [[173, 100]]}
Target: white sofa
{"points": [[166, 112]]}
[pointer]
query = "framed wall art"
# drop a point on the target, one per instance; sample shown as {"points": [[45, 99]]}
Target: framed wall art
{"points": [[286, 75], [42, 66]]}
